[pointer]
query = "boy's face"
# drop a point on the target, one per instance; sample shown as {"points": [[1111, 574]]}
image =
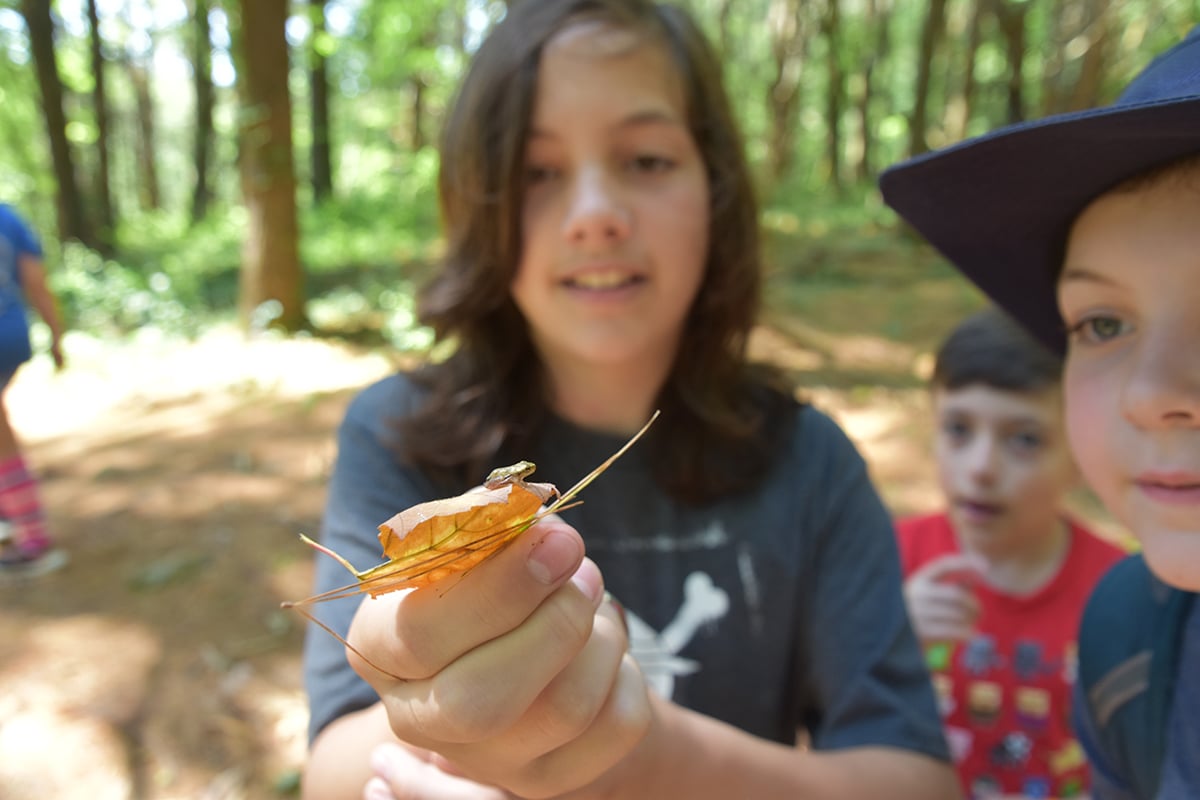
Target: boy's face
{"points": [[1003, 464], [1130, 297]]}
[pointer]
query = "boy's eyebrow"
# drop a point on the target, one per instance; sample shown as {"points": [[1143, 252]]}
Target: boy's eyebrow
{"points": [[1070, 273]]}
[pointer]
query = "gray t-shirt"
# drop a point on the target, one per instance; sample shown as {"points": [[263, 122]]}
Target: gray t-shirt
{"points": [[773, 610]]}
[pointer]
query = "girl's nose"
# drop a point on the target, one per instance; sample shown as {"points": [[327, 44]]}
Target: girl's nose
{"points": [[597, 216]]}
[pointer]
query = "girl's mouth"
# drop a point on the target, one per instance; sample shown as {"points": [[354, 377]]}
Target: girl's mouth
{"points": [[606, 280]]}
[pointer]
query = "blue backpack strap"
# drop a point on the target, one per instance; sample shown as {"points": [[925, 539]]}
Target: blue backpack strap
{"points": [[1129, 642]]}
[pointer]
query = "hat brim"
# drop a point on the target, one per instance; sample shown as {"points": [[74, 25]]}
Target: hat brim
{"points": [[1000, 206]]}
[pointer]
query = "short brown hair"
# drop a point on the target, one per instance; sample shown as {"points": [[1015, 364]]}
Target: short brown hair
{"points": [[992, 349]]}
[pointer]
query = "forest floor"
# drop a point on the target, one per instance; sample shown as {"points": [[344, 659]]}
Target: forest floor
{"points": [[158, 664]]}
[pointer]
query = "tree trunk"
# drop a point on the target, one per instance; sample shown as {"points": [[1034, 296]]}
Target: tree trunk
{"points": [[72, 222], [723, 15], [321, 157], [150, 194], [202, 143], [1086, 93], [1011, 17], [831, 26], [931, 37], [418, 84], [272, 285], [967, 98], [788, 46], [103, 187], [881, 19], [417, 134]]}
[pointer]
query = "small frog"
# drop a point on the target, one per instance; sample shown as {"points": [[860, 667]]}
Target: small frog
{"points": [[517, 473]]}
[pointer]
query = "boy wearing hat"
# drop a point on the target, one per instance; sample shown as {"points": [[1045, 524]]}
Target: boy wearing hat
{"points": [[1086, 228]]}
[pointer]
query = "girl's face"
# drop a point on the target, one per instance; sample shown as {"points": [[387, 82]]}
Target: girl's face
{"points": [[1130, 296], [616, 210]]}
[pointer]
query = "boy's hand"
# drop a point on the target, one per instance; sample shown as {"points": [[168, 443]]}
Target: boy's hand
{"points": [[941, 599], [515, 676]]}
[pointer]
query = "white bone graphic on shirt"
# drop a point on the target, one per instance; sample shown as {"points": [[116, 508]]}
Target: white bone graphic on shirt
{"points": [[703, 603]]}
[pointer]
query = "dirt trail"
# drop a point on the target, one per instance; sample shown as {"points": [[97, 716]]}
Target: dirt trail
{"points": [[158, 664]]}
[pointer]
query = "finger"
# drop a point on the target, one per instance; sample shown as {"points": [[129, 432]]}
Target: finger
{"points": [[484, 692], [943, 620], [954, 567], [952, 594], [402, 775], [944, 631], [561, 713], [943, 600], [411, 633], [571, 703], [621, 724]]}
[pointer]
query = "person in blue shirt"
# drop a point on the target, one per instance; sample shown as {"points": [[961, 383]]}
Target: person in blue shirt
{"points": [[26, 547], [1086, 227]]}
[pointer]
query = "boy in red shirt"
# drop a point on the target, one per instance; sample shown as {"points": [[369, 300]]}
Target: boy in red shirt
{"points": [[996, 583]]}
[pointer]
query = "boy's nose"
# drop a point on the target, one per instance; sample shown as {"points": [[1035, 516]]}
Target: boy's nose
{"points": [[1163, 387], [596, 217], [981, 460]]}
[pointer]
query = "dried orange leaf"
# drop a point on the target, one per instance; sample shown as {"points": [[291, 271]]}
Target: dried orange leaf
{"points": [[430, 542]]}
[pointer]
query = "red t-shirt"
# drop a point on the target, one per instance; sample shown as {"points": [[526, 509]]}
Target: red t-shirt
{"points": [[1005, 694]]}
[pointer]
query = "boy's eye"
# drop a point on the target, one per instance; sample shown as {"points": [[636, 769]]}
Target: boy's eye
{"points": [[1025, 441], [956, 430], [1097, 329]]}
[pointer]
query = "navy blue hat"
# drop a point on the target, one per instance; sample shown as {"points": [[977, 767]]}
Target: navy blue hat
{"points": [[1000, 206]]}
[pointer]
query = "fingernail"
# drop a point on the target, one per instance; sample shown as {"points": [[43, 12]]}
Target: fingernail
{"points": [[589, 581], [555, 556], [381, 761], [377, 789]]}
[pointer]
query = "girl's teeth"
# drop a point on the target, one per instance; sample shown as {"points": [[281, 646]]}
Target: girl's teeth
{"points": [[599, 280]]}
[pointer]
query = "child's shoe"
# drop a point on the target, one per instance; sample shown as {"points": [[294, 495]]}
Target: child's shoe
{"points": [[18, 564]]}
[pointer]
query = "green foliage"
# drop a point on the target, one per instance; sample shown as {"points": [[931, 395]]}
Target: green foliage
{"points": [[393, 66], [363, 257], [166, 276]]}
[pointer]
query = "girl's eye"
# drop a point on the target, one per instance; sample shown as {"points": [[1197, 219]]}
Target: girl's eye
{"points": [[535, 174], [651, 163], [1097, 329]]}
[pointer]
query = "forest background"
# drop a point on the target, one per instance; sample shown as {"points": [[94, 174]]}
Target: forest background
{"points": [[238, 202]]}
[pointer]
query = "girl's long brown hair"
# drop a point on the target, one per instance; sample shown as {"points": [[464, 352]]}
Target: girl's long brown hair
{"points": [[721, 416]]}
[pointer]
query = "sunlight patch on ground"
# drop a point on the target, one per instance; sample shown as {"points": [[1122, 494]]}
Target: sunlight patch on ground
{"points": [[104, 377], [64, 701]]}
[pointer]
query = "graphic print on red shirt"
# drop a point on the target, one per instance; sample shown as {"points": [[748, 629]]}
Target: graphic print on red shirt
{"points": [[1005, 693]]}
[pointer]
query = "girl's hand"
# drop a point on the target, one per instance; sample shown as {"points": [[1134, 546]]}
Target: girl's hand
{"points": [[941, 600], [516, 676], [406, 773]]}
